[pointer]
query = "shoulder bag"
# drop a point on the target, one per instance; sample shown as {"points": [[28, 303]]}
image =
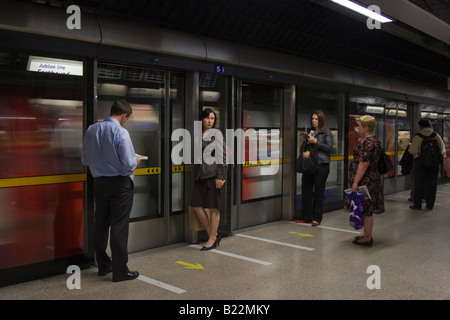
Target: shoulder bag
{"points": [[307, 165]]}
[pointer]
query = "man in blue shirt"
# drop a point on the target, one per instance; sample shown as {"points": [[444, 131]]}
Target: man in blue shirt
{"points": [[109, 154]]}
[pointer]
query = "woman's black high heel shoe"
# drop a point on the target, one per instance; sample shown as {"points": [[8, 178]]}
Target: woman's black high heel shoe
{"points": [[216, 243], [218, 240], [205, 248]]}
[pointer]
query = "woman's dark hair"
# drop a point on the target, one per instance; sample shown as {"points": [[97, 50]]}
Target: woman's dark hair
{"points": [[205, 114], [120, 107], [321, 117]]}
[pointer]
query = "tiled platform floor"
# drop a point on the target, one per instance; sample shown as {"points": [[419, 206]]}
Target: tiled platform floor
{"points": [[286, 261]]}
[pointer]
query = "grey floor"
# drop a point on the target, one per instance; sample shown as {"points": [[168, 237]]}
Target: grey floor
{"points": [[409, 260]]}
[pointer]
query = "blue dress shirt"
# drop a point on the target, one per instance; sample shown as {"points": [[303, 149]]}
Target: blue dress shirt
{"points": [[108, 150]]}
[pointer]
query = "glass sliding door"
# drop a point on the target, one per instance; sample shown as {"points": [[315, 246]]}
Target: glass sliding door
{"points": [[147, 101], [260, 190], [332, 105], [214, 93], [157, 99]]}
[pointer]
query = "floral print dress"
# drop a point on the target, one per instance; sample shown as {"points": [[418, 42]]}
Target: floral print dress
{"points": [[368, 150]]}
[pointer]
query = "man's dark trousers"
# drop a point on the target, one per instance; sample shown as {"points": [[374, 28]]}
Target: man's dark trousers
{"points": [[114, 201]]}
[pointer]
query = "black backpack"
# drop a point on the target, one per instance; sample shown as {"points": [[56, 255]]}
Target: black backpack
{"points": [[430, 154]]}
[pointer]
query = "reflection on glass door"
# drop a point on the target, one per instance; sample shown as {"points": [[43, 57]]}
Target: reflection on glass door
{"points": [[331, 104], [261, 183], [379, 108], [261, 108], [146, 99], [402, 115], [393, 128], [214, 90], [154, 95]]}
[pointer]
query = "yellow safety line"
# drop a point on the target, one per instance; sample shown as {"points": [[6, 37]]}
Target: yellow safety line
{"points": [[156, 170], [81, 177], [177, 169], [258, 163], [147, 171]]}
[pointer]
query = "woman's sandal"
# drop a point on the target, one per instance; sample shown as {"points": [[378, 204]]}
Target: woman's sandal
{"points": [[365, 243]]}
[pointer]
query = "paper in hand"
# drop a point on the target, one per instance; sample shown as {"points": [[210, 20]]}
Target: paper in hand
{"points": [[141, 157], [304, 135]]}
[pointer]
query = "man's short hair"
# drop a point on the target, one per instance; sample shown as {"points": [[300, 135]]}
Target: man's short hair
{"points": [[120, 107], [424, 123]]}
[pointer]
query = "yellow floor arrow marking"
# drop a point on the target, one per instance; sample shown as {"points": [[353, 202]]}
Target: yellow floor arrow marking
{"points": [[190, 265], [302, 234]]}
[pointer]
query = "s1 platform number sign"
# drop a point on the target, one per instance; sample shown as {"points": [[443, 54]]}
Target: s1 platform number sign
{"points": [[220, 68]]}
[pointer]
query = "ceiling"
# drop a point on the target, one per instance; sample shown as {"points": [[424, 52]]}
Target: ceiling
{"points": [[307, 28], [439, 8]]}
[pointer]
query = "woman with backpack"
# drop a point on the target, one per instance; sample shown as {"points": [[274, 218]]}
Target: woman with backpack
{"points": [[428, 151]]}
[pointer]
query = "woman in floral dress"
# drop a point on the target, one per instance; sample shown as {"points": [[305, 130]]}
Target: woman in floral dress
{"points": [[363, 171]]}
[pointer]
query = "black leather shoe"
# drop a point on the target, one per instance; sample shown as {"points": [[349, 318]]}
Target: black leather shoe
{"points": [[130, 275], [415, 208], [104, 271]]}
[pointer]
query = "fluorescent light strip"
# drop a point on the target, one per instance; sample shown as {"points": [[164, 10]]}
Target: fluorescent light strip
{"points": [[360, 9]]}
